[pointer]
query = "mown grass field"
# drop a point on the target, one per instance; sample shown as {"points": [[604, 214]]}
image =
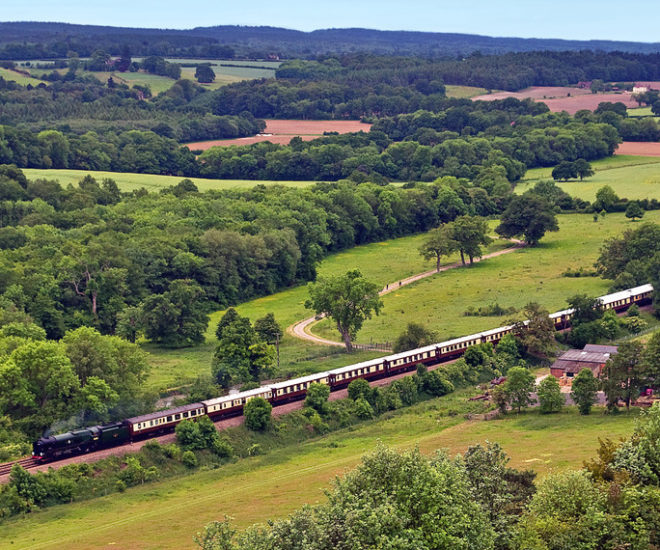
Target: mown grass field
{"points": [[129, 182], [530, 274], [464, 91], [630, 177], [166, 515]]}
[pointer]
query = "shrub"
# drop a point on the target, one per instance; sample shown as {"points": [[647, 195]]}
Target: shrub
{"points": [[363, 409], [436, 385], [257, 413], [550, 397], [317, 397], [189, 460], [358, 388]]}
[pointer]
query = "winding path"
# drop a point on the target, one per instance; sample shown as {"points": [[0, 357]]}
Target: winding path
{"points": [[301, 329]]}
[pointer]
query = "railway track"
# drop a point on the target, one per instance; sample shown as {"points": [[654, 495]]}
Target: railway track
{"points": [[27, 463]]}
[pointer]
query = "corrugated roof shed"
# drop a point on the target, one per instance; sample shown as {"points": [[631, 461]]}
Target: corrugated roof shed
{"points": [[601, 348]]}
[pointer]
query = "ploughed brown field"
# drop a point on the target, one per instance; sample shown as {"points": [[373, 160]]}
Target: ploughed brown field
{"points": [[639, 149], [281, 132], [571, 100]]}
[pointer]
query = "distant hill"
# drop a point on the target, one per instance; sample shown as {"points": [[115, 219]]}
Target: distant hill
{"points": [[38, 39]]}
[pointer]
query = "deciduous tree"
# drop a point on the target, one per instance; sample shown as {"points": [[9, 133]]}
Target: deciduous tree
{"points": [[348, 300], [529, 216], [438, 243], [584, 390]]}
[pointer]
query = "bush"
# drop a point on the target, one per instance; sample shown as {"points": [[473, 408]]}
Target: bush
{"points": [[317, 397], [434, 384], [189, 460], [257, 413], [358, 388], [363, 409], [550, 397], [222, 448]]}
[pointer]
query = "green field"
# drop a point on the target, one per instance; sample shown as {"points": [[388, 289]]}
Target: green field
{"points": [[129, 182], [380, 262], [165, 515], [630, 177], [640, 112], [19, 78], [462, 92], [226, 72], [531, 274], [439, 301]]}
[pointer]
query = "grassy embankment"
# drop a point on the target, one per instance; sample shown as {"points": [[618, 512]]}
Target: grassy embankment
{"points": [[630, 176], [19, 78], [165, 515]]}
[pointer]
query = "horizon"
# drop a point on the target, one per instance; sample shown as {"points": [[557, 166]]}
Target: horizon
{"points": [[536, 19]]}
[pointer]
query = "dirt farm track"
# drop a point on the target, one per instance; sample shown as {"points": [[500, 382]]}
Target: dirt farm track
{"points": [[281, 132]]}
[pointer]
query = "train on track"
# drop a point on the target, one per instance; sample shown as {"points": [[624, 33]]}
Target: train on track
{"points": [[153, 424]]}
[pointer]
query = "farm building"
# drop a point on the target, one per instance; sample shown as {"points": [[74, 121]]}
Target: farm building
{"points": [[571, 362]]}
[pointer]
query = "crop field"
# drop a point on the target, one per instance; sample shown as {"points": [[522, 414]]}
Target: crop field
{"points": [[129, 182], [640, 148], [567, 99], [273, 485], [281, 131], [530, 274], [630, 176], [640, 112]]}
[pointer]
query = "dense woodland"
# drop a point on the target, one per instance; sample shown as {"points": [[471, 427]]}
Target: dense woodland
{"points": [[34, 40]]}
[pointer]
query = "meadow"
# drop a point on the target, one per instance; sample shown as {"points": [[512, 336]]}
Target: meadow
{"points": [[630, 176], [529, 274], [130, 182], [464, 92], [19, 78], [165, 515], [439, 302]]}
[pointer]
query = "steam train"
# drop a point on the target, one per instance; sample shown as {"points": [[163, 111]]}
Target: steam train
{"points": [[149, 425]]}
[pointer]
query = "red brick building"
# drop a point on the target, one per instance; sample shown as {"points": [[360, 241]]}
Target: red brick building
{"points": [[571, 362]]}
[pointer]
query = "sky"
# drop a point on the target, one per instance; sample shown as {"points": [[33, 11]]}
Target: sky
{"points": [[569, 19]]}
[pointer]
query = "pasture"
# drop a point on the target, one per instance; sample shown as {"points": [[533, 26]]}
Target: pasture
{"points": [[461, 92], [19, 78], [530, 274], [152, 182], [630, 176], [439, 302], [165, 515]]}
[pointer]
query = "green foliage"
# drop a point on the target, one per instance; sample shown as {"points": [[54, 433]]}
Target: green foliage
{"points": [[199, 435], [551, 400], [634, 210], [363, 408], [518, 387], [348, 299], [257, 414], [584, 390], [439, 243], [415, 336], [317, 397], [378, 504], [176, 318], [358, 388], [529, 216], [537, 336], [189, 459], [624, 374]]}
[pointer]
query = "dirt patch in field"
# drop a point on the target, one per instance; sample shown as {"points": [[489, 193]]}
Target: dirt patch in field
{"points": [[282, 131], [560, 99], [639, 149]]}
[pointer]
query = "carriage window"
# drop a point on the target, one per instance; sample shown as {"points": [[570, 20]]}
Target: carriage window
{"points": [[169, 419]]}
